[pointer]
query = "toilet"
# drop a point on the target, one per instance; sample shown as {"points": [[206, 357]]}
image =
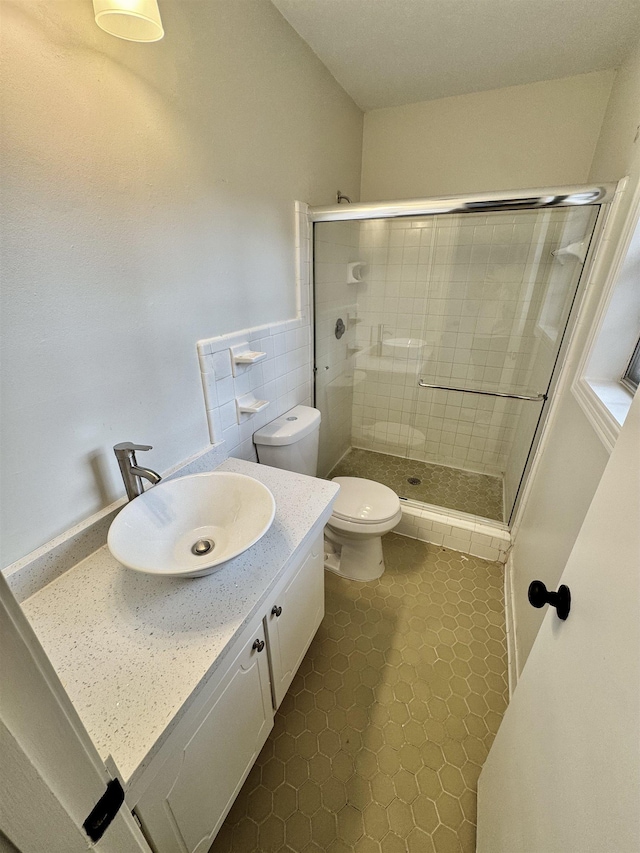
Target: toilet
{"points": [[364, 510]]}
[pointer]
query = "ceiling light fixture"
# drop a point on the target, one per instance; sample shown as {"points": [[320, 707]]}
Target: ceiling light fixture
{"points": [[133, 20]]}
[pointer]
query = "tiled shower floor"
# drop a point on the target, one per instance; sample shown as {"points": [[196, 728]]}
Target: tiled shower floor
{"points": [[478, 494], [378, 745]]}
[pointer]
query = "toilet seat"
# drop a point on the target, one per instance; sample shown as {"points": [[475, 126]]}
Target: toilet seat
{"points": [[360, 530], [363, 503]]}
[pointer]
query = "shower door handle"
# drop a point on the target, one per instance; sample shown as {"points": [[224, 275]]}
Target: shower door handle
{"points": [[538, 398]]}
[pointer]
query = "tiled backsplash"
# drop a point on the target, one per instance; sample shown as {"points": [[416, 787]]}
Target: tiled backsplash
{"points": [[283, 378]]}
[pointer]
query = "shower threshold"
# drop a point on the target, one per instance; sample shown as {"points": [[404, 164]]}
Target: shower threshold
{"points": [[452, 488]]}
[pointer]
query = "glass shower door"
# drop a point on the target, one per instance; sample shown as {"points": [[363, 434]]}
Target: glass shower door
{"points": [[499, 291], [436, 341]]}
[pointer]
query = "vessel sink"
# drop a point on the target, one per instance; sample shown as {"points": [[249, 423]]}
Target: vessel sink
{"points": [[190, 526], [404, 346]]}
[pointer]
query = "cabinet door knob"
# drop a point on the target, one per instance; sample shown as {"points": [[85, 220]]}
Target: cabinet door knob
{"points": [[258, 645], [276, 611]]}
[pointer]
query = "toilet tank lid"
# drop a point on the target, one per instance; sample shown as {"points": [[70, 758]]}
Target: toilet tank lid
{"points": [[289, 428]]}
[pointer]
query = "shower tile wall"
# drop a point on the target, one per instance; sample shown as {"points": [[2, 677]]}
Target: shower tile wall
{"points": [[335, 248], [462, 301]]}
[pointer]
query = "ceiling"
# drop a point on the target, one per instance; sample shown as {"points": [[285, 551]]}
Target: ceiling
{"points": [[386, 53]]}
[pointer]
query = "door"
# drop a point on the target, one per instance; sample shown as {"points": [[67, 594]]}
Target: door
{"points": [[185, 804], [294, 618], [52, 773], [563, 775]]}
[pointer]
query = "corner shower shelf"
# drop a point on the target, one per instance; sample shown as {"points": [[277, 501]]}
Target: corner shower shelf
{"points": [[355, 272]]}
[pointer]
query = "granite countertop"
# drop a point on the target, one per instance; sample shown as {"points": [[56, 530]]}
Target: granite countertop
{"points": [[131, 649]]}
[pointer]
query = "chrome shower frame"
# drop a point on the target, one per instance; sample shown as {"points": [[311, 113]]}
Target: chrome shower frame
{"points": [[534, 199]]}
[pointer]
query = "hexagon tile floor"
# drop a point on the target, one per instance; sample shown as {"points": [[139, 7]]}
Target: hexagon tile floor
{"points": [[466, 491], [378, 745]]}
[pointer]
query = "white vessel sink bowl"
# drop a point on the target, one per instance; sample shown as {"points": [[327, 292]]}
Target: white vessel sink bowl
{"points": [[225, 512]]}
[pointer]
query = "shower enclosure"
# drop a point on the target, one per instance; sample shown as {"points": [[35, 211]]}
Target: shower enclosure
{"points": [[439, 331]]}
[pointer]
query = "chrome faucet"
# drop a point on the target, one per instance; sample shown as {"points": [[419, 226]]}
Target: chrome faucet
{"points": [[132, 473]]}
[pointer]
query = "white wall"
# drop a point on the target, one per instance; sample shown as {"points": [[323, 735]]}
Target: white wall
{"points": [[574, 457], [148, 198], [617, 151], [539, 134]]}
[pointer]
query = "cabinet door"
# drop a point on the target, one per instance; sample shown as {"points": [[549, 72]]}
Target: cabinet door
{"points": [[189, 798], [300, 603]]}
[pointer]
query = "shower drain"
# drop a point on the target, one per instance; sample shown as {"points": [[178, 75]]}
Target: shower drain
{"points": [[413, 481]]}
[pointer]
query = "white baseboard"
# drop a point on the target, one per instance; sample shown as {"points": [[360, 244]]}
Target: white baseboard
{"points": [[510, 620]]}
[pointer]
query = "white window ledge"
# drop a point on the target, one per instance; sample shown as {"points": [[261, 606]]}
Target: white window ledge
{"points": [[605, 405]]}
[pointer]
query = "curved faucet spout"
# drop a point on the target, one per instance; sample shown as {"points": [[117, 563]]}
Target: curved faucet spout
{"points": [[147, 473], [132, 473]]}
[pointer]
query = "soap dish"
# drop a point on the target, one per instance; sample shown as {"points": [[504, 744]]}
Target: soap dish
{"points": [[249, 357], [242, 357], [248, 404]]}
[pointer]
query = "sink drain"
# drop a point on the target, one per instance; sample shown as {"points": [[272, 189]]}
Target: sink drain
{"points": [[413, 481], [202, 547]]}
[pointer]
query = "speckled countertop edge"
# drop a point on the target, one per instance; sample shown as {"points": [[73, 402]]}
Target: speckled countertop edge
{"points": [[132, 649]]}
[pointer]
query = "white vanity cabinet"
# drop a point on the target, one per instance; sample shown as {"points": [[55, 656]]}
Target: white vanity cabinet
{"points": [[294, 618], [186, 802], [185, 793]]}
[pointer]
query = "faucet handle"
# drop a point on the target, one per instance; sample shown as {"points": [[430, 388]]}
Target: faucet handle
{"points": [[125, 446]]}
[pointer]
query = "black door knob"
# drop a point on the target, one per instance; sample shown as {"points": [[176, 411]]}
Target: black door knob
{"points": [[276, 611], [258, 645], [539, 595]]}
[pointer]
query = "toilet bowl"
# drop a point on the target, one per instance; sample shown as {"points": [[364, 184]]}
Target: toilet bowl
{"points": [[364, 510]]}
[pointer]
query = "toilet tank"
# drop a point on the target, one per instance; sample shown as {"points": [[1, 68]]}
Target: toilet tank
{"points": [[291, 441]]}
